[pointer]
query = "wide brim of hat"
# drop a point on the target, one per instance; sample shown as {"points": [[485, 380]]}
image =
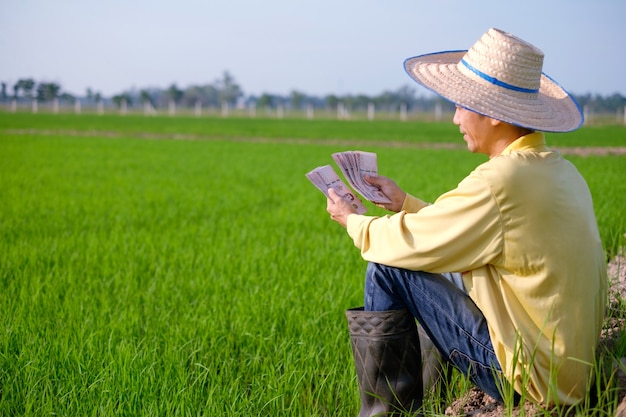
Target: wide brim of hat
{"points": [[552, 109]]}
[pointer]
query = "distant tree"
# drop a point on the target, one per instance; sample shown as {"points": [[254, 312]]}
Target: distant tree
{"points": [[406, 95], [331, 101], [610, 103], [3, 93], [173, 93], [348, 101], [119, 98], [229, 90], [67, 97], [145, 97], [26, 85], [266, 101], [211, 94], [361, 101], [47, 91], [386, 100], [192, 95], [601, 104], [297, 99], [208, 95]]}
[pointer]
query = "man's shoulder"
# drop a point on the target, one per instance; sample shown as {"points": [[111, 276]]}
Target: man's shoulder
{"points": [[517, 161], [520, 169]]}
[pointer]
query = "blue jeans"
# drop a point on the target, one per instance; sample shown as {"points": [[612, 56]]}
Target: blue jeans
{"points": [[443, 308]]}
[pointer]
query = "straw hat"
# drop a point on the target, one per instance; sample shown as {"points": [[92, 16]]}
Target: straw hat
{"points": [[500, 77]]}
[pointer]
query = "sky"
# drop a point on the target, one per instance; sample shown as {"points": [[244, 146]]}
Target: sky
{"points": [[316, 47]]}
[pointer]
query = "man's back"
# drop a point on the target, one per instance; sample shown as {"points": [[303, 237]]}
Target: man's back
{"points": [[548, 285]]}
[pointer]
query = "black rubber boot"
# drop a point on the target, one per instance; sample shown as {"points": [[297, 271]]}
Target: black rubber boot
{"points": [[387, 356], [434, 369]]}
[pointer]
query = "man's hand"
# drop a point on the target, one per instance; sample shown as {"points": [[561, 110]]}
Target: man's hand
{"points": [[338, 208], [391, 190]]}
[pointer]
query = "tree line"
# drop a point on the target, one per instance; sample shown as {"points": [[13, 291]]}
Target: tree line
{"points": [[225, 91]]}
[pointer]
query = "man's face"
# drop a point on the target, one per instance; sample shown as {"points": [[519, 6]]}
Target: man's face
{"points": [[476, 130]]}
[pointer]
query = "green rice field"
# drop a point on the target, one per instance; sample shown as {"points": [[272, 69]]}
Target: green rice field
{"points": [[184, 266]]}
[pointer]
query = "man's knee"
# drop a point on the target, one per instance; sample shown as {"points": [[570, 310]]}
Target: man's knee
{"points": [[381, 276]]}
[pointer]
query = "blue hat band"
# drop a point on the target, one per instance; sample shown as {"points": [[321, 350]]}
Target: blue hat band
{"points": [[497, 82]]}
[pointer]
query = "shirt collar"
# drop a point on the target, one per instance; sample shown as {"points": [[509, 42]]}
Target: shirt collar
{"points": [[532, 142]]}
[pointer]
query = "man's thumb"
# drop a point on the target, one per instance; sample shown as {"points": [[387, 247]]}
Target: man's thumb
{"points": [[372, 179]]}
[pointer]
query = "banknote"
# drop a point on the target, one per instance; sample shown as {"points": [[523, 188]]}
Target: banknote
{"points": [[325, 177], [355, 165]]}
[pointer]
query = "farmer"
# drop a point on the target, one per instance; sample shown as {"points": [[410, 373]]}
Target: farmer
{"points": [[505, 273]]}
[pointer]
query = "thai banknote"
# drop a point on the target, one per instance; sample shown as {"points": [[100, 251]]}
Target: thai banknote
{"points": [[325, 177], [355, 165]]}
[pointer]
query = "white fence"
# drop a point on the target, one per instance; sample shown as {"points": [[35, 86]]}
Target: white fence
{"points": [[342, 112]]}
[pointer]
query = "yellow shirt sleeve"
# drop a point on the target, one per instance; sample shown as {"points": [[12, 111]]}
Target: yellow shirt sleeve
{"points": [[458, 232], [412, 204]]}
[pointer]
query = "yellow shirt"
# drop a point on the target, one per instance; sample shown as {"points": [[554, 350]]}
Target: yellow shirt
{"points": [[522, 229]]}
